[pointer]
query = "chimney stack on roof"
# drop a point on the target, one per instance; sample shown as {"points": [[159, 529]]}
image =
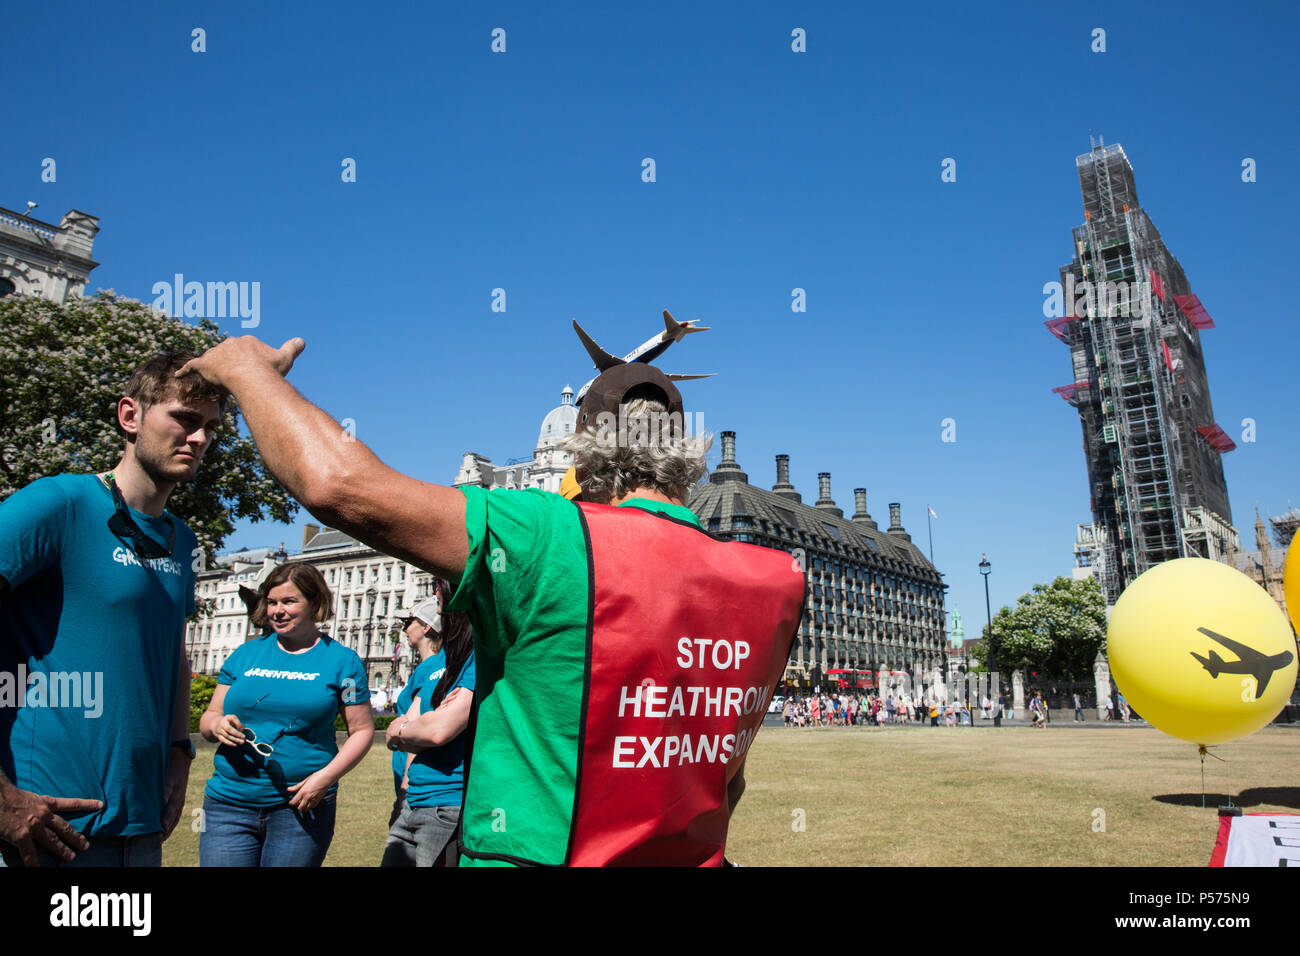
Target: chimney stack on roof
{"points": [[783, 486], [824, 500], [860, 515], [896, 521], [727, 469]]}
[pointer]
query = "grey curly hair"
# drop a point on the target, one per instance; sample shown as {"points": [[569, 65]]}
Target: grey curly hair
{"points": [[647, 448]]}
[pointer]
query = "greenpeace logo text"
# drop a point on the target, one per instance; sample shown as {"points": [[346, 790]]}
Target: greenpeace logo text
{"points": [[282, 675], [210, 300], [128, 557], [63, 689], [77, 909]]}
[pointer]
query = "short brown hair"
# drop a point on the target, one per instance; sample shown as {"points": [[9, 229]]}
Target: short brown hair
{"points": [[155, 382], [307, 579]]}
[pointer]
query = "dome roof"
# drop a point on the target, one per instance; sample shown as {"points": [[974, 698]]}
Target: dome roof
{"points": [[559, 421]]}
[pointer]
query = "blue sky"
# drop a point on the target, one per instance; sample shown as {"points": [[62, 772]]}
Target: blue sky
{"points": [[775, 170]]}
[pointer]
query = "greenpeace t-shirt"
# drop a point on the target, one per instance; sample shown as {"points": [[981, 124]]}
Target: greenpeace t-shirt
{"points": [[428, 671], [91, 638], [437, 775], [289, 701]]}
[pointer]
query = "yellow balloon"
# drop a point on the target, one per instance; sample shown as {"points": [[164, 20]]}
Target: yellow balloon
{"points": [[1201, 651], [1291, 582]]}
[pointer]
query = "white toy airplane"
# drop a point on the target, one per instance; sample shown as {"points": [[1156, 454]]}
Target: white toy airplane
{"points": [[646, 352]]}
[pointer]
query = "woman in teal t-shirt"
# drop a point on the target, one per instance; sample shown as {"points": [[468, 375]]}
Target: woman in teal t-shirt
{"points": [[423, 629], [429, 737], [271, 798]]}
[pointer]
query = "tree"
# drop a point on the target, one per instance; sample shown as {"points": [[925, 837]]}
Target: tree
{"points": [[1056, 628], [62, 370], [201, 690]]}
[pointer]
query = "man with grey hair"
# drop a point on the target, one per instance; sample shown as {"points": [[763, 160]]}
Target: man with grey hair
{"points": [[626, 657]]}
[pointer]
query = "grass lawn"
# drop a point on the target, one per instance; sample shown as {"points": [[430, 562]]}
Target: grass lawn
{"points": [[929, 797]]}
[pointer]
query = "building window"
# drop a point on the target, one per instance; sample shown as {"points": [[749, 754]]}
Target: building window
{"points": [[6, 288]]}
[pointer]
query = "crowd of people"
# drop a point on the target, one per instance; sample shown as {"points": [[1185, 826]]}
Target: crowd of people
{"points": [[844, 708]]}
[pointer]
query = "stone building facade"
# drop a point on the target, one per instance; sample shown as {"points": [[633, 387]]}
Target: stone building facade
{"points": [[544, 470], [44, 260], [874, 602], [369, 590], [1264, 564]]}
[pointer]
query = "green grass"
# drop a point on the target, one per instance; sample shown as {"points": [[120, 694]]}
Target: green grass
{"points": [[1013, 797], [928, 797]]}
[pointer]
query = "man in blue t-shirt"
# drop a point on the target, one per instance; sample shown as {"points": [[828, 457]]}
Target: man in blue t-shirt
{"points": [[96, 580]]}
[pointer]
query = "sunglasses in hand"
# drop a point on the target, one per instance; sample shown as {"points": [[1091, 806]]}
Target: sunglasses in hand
{"points": [[265, 749]]}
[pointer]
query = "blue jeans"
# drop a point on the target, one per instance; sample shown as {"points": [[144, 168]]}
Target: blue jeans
{"points": [[144, 850], [278, 836]]}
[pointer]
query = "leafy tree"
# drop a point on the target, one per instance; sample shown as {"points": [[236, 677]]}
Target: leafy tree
{"points": [[62, 370], [201, 689], [1056, 628]]}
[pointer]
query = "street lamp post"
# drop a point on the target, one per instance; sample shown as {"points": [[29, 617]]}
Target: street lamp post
{"points": [[985, 568], [373, 595]]}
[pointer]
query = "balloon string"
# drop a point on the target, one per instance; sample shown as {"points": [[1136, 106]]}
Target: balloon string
{"points": [[1205, 838], [1228, 769]]}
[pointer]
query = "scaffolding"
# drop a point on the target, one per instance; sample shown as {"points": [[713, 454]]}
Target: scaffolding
{"points": [[1209, 536], [1284, 527], [1153, 449]]}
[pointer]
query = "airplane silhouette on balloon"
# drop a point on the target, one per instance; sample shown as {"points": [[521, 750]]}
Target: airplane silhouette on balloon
{"points": [[1255, 663]]}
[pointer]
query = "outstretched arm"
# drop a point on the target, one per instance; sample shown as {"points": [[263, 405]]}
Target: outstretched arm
{"points": [[336, 477]]}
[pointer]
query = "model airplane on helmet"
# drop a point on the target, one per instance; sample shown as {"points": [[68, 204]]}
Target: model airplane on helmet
{"points": [[646, 352]]}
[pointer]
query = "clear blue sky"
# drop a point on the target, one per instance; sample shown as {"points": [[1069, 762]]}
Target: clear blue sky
{"points": [[775, 170]]}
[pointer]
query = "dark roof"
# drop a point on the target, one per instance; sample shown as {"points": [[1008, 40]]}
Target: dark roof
{"points": [[860, 541], [330, 538]]}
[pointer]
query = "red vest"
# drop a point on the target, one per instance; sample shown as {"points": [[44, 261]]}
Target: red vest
{"points": [[687, 637]]}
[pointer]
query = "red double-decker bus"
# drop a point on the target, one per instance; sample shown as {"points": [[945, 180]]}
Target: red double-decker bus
{"points": [[851, 679]]}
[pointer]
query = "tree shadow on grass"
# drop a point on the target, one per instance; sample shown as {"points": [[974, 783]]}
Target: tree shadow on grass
{"points": [[1250, 797]]}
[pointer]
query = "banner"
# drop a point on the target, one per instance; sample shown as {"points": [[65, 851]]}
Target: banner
{"points": [[1258, 839]]}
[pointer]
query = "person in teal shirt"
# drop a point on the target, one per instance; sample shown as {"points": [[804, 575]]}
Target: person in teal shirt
{"points": [[430, 737], [271, 800], [96, 580], [426, 645]]}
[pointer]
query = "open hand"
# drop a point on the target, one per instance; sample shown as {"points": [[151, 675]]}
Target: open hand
{"points": [[217, 363], [229, 731], [29, 820]]}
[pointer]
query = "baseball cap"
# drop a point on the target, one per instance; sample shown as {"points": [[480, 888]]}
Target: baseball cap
{"points": [[619, 385], [429, 611]]}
